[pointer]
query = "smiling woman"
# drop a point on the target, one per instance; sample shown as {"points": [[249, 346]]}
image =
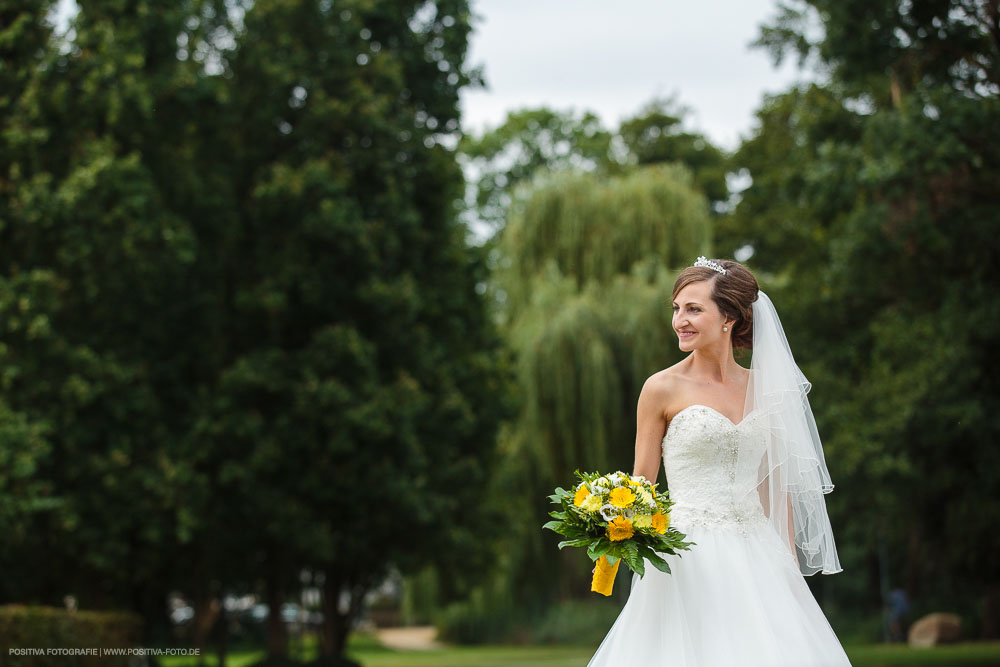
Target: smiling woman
{"points": [[746, 473], [733, 298]]}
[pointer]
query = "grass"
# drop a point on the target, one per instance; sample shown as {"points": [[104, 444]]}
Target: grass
{"points": [[970, 654], [370, 653]]}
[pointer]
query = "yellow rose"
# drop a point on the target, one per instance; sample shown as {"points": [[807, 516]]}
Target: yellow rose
{"points": [[581, 495], [621, 497], [660, 522], [592, 503], [620, 529], [642, 521]]}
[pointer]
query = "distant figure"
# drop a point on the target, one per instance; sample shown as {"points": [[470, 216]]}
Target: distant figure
{"points": [[746, 472], [898, 607]]}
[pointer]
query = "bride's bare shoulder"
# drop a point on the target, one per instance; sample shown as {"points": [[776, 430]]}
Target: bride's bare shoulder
{"points": [[665, 385], [667, 388], [669, 378]]}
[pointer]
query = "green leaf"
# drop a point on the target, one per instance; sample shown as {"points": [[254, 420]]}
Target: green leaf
{"points": [[654, 558], [660, 564], [631, 556], [557, 526], [575, 543], [599, 548]]}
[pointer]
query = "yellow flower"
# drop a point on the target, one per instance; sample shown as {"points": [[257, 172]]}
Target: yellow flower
{"points": [[642, 521], [660, 522], [620, 529], [581, 495], [592, 503], [621, 497]]}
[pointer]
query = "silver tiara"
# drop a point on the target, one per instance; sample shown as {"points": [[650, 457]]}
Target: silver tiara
{"points": [[715, 266]]}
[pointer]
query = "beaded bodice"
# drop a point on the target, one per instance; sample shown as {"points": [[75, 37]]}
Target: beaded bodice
{"points": [[710, 462]]}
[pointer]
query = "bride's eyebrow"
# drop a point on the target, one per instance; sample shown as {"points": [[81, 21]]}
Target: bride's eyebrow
{"points": [[689, 303]]}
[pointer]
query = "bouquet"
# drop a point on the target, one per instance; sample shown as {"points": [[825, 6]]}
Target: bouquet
{"points": [[618, 518]]}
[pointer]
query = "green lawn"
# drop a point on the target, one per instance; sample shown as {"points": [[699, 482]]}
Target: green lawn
{"points": [[977, 654], [370, 653]]}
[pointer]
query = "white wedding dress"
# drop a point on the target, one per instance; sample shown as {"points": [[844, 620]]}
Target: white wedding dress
{"points": [[736, 598]]}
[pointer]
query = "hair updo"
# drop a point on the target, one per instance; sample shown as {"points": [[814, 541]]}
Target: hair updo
{"points": [[734, 294]]}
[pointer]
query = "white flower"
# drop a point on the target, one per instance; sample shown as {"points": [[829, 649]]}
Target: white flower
{"points": [[609, 512]]}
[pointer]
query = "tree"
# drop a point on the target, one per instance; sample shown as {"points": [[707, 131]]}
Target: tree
{"points": [[870, 214], [656, 134], [527, 141], [530, 141], [240, 312]]}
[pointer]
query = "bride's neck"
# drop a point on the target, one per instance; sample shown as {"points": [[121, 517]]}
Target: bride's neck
{"points": [[714, 365]]}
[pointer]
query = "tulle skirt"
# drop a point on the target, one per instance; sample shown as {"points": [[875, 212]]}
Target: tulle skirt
{"points": [[730, 601]]}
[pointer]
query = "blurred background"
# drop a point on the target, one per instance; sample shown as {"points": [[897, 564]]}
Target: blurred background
{"points": [[303, 314]]}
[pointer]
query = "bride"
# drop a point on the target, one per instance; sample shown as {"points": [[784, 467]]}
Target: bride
{"points": [[746, 471]]}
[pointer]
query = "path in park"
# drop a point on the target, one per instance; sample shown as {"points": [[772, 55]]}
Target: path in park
{"points": [[416, 638]]}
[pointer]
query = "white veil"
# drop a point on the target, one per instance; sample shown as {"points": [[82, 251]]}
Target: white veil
{"points": [[792, 471]]}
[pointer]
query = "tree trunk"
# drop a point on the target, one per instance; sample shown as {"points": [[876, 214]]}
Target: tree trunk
{"points": [[915, 561], [277, 633], [336, 625], [223, 631], [206, 610], [332, 636], [991, 612], [328, 606]]}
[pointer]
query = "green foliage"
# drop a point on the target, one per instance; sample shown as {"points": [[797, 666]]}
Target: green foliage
{"points": [[23, 627], [872, 216], [656, 135], [533, 142], [891, 47], [529, 141], [243, 334], [575, 622], [485, 616]]}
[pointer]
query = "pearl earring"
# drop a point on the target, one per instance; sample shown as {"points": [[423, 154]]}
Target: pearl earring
{"points": [[725, 328]]}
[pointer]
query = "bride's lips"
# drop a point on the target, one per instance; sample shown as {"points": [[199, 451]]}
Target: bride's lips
{"points": [[685, 334]]}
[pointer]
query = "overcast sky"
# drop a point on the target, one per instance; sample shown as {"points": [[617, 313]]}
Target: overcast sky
{"points": [[614, 57]]}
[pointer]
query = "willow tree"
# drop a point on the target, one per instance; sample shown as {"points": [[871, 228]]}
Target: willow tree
{"points": [[586, 269]]}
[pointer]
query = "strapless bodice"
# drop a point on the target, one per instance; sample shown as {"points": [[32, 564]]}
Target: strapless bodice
{"points": [[710, 463]]}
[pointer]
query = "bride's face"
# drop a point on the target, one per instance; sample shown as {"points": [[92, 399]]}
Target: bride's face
{"points": [[697, 320]]}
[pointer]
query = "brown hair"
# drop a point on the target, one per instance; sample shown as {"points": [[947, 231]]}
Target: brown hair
{"points": [[733, 292]]}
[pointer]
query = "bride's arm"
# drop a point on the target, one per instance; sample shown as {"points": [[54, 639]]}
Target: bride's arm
{"points": [[763, 490], [651, 424], [791, 530]]}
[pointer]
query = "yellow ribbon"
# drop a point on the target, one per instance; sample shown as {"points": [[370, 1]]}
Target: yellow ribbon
{"points": [[604, 576]]}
